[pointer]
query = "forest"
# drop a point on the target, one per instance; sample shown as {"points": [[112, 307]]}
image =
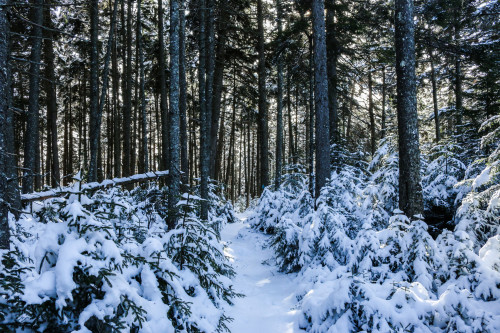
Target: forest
{"points": [[275, 166]]}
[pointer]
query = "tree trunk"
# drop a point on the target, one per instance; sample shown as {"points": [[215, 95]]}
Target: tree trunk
{"points": [[217, 90], [183, 96], [144, 121], [410, 189], [163, 88], [434, 97], [321, 96], [383, 129], [94, 89], [32, 137], [263, 135], [332, 56], [4, 109], [127, 114], [279, 111], [50, 91], [204, 126], [371, 113], [174, 149]]}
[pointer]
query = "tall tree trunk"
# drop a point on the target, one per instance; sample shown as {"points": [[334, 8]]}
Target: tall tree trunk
{"points": [[371, 113], [434, 97], [127, 114], [50, 91], [217, 90], [332, 49], [279, 111], [163, 88], [263, 135], [210, 63], [95, 167], [117, 152], [94, 89], [383, 129], [174, 152], [291, 148], [183, 95], [142, 93], [32, 136], [410, 189], [311, 118], [321, 96], [204, 117], [5, 123]]}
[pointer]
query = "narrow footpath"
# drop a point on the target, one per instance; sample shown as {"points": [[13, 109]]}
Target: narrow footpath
{"points": [[269, 295]]}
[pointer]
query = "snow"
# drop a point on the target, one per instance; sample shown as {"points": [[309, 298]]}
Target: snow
{"points": [[268, 305]]}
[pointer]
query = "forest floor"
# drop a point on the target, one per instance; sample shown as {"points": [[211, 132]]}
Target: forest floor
{"points": [[269, 295]]}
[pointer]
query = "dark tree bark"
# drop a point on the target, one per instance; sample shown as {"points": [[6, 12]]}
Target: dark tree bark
{"points": [[183, 96], [371, 113], [410, 189], [163, 88], [117, 152], [32, 136], [174, 149], [96, 115], [321, 96], [210, 63], [94, 89], [434, 97], [291, 146], [50, 91], [142, 92], [4, 109], [220, 62], [127, 114], [332, 49], [383, 129], [263, 135], [204, 125], [279, 111]]}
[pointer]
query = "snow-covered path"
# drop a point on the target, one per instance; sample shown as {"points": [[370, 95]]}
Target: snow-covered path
{"points": [[269, 295]]}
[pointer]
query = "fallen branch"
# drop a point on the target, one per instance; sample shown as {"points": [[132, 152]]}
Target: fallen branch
{"points": [[57, 192]]}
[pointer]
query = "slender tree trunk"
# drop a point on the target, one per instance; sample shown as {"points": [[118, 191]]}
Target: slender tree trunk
{"points": [[127, 114], [217, 89], [311, 118], [32, 136], [204, 117], [183, 96], [332, 56], [383, 129], [263, 135], [321, 96], [117, 153], [279, 111], [371, 113], [94, 89], [50, 91], [434, 97], [163, 88], [174, 152], [410, 189], [291, 148], [142, 93], [5, 92]]}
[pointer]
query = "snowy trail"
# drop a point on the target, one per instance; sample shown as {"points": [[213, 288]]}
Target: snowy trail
{"points": [[269, 295]]}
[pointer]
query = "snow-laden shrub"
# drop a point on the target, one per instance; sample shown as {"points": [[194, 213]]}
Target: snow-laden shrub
{"points": [[442, 173], [479, 211], [106, 264], [363, 266]]}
